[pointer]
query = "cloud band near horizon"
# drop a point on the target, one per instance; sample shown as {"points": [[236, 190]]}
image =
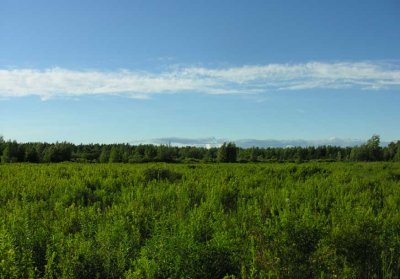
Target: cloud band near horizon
{"points": [[249, 79], [247, 143]]}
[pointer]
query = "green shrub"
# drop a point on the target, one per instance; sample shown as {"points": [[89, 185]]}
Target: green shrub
{"points": [[159, 174]]}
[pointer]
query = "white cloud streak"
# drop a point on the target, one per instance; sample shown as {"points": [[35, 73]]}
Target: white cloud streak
{"points": [[250, 79], [246, 143]]}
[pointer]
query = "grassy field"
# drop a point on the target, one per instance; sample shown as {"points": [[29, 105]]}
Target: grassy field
{"points": [[326, 220]]}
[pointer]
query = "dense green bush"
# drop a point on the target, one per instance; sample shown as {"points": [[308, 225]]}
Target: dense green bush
{"points": [[158, 174], [313, 220]]}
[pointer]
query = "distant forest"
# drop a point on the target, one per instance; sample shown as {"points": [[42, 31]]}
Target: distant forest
{"points": [[13, 152]]}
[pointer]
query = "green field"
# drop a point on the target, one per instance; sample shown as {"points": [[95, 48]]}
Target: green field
{"points": [[326, 220]]}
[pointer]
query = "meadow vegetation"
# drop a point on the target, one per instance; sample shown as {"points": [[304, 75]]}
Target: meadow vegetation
{"points": [[156, 220]]}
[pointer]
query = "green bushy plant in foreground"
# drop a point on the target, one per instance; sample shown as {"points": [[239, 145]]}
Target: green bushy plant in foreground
{"points": [[313, 220]]}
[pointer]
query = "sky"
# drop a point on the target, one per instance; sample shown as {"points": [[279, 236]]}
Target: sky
{"points": [[142, 71]]}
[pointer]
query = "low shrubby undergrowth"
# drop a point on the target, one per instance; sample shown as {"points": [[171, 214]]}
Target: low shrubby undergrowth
{"points": [[314, 220]]}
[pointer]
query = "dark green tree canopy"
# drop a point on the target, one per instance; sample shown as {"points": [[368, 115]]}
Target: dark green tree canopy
{"points": [[12, 151], [227, 153]]}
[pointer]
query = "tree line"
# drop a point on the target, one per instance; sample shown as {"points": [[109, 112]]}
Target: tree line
{"points": [[12, 152]]}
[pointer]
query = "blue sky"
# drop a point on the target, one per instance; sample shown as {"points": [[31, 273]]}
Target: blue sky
{"points": [[123, 71]]}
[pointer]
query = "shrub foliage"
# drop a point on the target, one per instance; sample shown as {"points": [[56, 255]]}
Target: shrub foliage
{"points": [[314, 220]]}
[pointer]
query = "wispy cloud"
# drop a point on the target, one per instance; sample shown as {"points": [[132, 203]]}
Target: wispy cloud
{"points": [[249, 79], [246, 143]]}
